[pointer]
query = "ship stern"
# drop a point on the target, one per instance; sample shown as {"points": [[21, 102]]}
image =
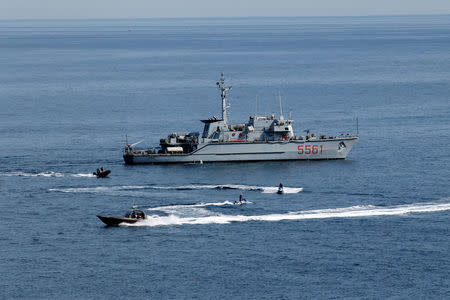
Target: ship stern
{"points": [[128, 158]]}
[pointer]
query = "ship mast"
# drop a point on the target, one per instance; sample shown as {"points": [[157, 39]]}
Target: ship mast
{"points": [[224, 89]]}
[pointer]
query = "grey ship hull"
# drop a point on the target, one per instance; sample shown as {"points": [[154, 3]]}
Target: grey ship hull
{"points": [[316, 149]]}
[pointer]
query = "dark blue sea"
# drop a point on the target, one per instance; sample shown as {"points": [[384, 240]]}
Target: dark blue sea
{"points": [[375, 225]]}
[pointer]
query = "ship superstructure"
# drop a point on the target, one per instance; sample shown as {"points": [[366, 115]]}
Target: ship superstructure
{"points": [[260, 138]]}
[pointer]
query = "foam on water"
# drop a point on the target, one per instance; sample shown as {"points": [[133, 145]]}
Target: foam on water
{"points": [[286, 190], [41, 174], [83, 175], [165, 208], [189, 210], [98, 189], [46, 174], [263, 189], [346, 212]]}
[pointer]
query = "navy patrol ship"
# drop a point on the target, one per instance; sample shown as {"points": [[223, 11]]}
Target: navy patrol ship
{"points": [[261, 138]]}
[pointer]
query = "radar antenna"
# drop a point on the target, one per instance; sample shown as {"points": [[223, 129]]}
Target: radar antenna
{"points": [[224, 89]]}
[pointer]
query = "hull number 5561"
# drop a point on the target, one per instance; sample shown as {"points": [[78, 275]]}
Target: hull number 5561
{"points": [[309, 149]]}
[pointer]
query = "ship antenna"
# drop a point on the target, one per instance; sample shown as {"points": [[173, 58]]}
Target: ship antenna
{"points": [[256, 105], [357, 127], [223, 89], [281, 107]]}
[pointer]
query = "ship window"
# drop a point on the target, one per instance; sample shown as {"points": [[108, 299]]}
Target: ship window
{"points": [[205, 131], [286, 128]]}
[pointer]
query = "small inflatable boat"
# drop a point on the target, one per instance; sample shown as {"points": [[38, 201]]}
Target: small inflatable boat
{"points": [[102, 174]]}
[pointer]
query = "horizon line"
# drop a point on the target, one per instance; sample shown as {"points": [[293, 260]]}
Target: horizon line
{"points": [[221, 17]]}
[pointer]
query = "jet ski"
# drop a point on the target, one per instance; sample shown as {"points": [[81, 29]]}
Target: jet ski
{"points": [[280, 189], [241, 201], [131, 217], [101, 174]]}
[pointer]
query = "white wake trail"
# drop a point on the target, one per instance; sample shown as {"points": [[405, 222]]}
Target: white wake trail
{"points": [[346, 212], [286, 190], [83, 175], [41, 174], [181, 206], [100, 189], [263, 189], [46, 174]]}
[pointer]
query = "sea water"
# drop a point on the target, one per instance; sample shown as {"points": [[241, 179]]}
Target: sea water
{"points": [[375, 225]]}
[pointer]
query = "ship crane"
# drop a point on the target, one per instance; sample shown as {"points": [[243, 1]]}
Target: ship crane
{"points": [[129, 147]]}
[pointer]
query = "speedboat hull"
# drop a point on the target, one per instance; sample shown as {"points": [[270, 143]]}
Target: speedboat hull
{"points": [[102, 174], [115, 221]]}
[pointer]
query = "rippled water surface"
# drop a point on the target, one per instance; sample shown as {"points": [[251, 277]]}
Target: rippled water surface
{"points": [[375, 225]]}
